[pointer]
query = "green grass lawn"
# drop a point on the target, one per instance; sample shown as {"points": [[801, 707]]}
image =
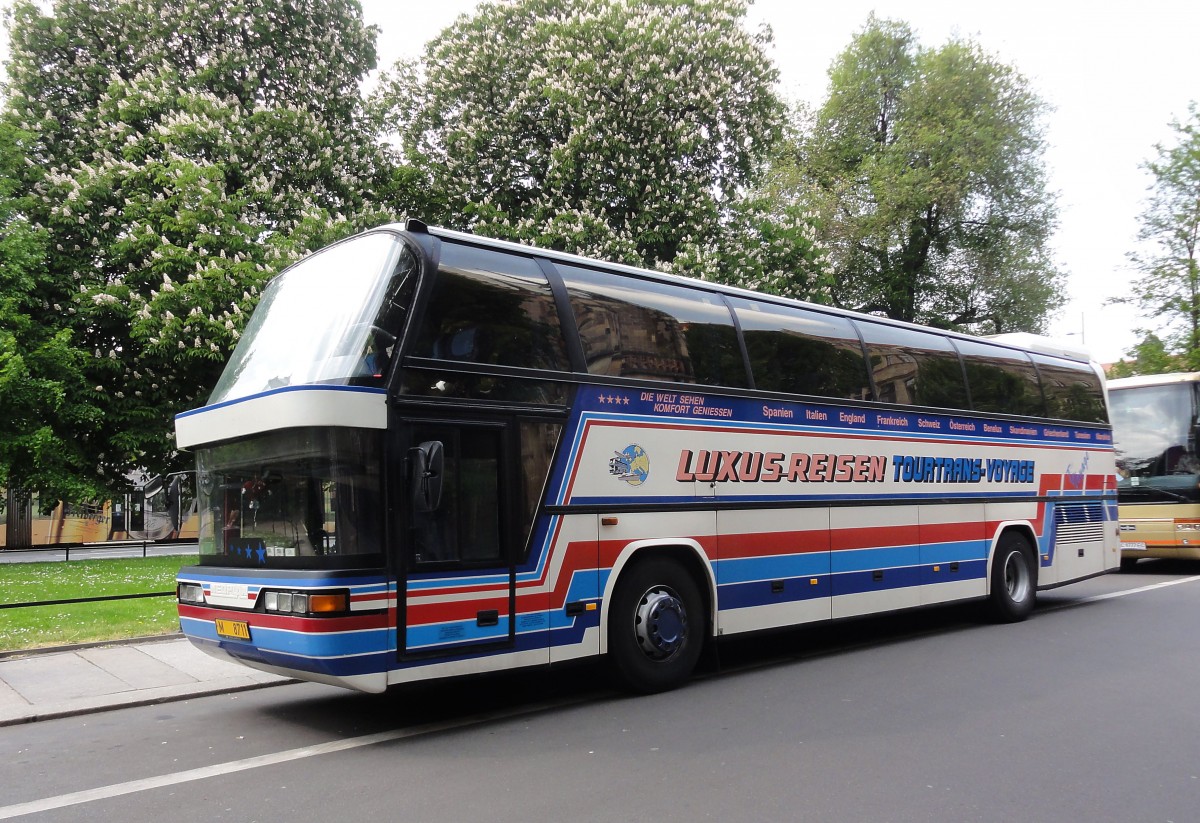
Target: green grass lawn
{"points": [[38, 626]]}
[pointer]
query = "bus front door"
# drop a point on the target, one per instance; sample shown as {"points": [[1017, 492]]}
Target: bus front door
{"points": [[458, 574]]}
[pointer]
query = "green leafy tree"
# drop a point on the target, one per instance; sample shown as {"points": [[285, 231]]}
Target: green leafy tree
{"points": [[1168, 288], [42, 391], [179, 153], [624, 129], [1150, 356], [925, 165]]}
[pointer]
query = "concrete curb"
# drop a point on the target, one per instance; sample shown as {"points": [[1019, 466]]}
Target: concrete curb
{"points": [[96, 677], [144, 697], [96, 644]]}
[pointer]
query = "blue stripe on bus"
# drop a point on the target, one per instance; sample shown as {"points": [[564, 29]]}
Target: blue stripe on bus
{"points": [[375, 584], [750, 594], [834, 418], [307, 387], [454, 633], [733, 501], [955, 551], [328, 644], [746, 570], [854, 560], [857, 582]]}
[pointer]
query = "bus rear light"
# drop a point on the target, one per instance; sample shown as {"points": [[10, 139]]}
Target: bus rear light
{"points": [[306, 603], [191, 593]]}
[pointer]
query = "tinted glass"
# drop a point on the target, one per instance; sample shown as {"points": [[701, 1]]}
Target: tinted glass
{"points": [[296, 498], [494, 308], [465, 526], [802, 352], [1154, 434], [1073, 391], [653, 331], [538, 442], [1001, 380], [331, 318], [914, 367], [438, 383]]}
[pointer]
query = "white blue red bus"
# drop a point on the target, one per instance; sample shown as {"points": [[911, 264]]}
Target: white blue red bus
{"points": [[434, 454]]}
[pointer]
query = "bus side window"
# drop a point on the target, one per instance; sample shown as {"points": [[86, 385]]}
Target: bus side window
{"points": [[1072, 389], [914, 367], [654, 331], [538, 443], [1003, 381], [493, 308], [802, 352], [465, 525]]}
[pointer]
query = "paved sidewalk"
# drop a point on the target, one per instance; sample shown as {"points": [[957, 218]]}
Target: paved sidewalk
{"points": [[64, 683]]}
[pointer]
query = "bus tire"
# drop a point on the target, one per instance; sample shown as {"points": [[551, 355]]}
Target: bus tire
{"points": [[656, 626], [1014, 579]]}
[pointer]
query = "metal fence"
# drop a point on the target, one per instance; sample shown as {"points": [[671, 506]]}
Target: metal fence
{"points": [[94, 551], [85, 600]]}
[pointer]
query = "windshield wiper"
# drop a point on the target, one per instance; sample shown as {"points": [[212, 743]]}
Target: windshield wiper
{"points": [[1155, 490]]}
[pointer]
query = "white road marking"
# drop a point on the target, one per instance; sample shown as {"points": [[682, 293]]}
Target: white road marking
{"points": [[1124, 593], [218, 769]]}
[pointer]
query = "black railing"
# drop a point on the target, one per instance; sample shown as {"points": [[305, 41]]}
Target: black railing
{"points": [[84, 600], [81, 549]]}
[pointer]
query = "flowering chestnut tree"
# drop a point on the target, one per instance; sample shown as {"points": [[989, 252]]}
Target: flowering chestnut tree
{"points": [[625, 129], [176, 155]]}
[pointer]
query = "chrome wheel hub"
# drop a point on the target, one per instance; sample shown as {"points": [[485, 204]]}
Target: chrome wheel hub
{"points": [[660, 623]]}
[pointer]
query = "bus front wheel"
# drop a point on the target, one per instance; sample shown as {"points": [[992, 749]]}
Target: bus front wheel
{"points": [[1014, 579], [655, 626]]}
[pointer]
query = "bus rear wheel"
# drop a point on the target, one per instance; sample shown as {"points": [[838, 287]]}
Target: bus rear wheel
{"points": [[656, 626], [1014, 579]]}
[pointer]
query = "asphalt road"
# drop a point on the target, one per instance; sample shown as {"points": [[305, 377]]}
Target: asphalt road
{"points": [[1087, 711]]}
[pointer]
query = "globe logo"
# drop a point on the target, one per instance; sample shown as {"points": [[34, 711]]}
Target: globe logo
{"points": [[631, 465]]}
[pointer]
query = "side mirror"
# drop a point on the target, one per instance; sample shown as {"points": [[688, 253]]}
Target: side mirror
{"points": [[425, 465]]}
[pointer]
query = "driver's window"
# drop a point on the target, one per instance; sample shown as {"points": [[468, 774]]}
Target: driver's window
{"points": [[465, 526]]}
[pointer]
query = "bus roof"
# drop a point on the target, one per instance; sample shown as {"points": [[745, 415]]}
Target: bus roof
{"points": [[1154, 380], [1021, 341]]}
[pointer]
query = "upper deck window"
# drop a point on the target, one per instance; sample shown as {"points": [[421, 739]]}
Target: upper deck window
{"points": [[494, 308], [1073, 390], [802, 352], [332, 318], [914, 367], [1002, 380], [654, 331]]}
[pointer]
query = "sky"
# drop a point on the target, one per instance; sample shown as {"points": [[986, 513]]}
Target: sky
{"points": [[1114, 74]]}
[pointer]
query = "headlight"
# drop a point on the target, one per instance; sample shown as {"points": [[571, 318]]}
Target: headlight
{"points": [[325, 603], [191, 593]]}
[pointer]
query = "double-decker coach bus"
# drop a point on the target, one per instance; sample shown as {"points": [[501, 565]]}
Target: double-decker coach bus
{"points": [[434, 454], [1156, 419]]}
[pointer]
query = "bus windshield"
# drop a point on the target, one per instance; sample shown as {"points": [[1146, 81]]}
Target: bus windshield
{"points": [[1154, 432], [330, 319], [298, 498]]}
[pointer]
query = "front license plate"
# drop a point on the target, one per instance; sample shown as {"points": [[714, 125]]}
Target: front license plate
{"points": [[233, 628], [1133, 547]]}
